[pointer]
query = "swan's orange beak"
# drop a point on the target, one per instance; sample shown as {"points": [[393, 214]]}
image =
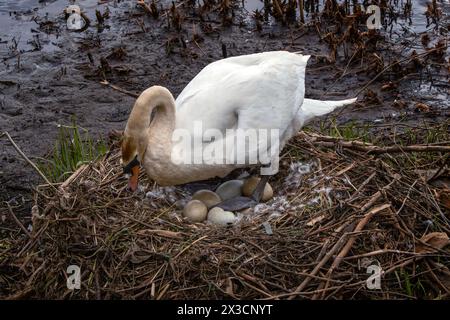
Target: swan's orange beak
{"points": [[134, 178]]}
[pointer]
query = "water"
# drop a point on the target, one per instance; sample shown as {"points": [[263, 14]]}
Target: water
{"points": [[19, 22], [18, 18]]}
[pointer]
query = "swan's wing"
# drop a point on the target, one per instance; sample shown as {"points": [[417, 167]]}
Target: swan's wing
{"points": [[263, 90], [259, 91], [223, 70]]}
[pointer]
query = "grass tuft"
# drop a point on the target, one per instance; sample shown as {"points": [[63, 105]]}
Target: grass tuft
{"points": [[74, 146]]}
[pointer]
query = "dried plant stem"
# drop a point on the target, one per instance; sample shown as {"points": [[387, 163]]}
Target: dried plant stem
{"points": [[277, 7], [13, 216], [301, 10], [145, 6], [322, 262], [131, 94], [74, 176], [134, 247], [392, 65], [343, 253], [327, 141]]}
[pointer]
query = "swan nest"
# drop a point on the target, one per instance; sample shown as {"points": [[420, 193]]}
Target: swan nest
{"points": [[342, 210]]}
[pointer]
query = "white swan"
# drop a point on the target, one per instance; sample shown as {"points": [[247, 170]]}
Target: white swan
{"points": [[257, 91]]}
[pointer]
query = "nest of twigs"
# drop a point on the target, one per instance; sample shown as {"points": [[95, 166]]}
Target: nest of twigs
{"points": [[339, 208]]}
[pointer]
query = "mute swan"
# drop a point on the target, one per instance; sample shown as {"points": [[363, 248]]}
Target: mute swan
{"points": [[257, 91]]}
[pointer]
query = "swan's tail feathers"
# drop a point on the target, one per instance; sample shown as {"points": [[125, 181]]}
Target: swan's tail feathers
{"points": [[315, 108], [304, 57]]}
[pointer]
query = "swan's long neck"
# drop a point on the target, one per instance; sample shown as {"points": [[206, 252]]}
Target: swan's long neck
{"points": [[159, 131], [157, 135]]}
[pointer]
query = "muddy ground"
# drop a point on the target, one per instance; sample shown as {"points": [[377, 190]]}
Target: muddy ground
{"points": [[49, 74]]}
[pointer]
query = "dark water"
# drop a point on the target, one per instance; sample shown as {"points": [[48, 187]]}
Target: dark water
{"points": [[19, 21], [16, 17]]}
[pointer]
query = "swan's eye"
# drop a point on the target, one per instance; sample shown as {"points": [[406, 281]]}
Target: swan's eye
{"points": [[131, 165]]}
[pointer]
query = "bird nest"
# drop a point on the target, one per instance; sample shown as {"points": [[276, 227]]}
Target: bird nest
{"points": [[348, 220]]}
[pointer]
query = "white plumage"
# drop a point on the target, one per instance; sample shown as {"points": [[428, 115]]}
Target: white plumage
{"points": [[258, 91]]}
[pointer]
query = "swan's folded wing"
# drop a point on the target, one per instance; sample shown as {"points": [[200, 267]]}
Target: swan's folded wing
{"points": [[231, 68], [262, 90]]}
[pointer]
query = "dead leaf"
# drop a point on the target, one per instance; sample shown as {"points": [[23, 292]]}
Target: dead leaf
{"points": [[400, 104], [422, 107], [437, 240], [388, 86], [425, 39], [229, 287], [313, 221]]}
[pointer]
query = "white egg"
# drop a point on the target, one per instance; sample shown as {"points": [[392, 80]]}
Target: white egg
{"points": [[195, 211], [221, 217]]}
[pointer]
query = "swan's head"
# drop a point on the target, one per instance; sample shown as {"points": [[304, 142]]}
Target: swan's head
{"points": [[131, 160]]}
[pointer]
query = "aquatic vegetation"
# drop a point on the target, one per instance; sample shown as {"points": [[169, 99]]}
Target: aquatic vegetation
{"points": [[73, 147]]}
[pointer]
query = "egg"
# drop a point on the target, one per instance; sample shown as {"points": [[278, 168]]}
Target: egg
{"points": [[195, 211], [220, 217], [230, 189], [250, 185], [208, 197]]}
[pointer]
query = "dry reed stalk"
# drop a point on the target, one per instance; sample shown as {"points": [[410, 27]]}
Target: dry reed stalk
{"points": [[133, 246]]}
